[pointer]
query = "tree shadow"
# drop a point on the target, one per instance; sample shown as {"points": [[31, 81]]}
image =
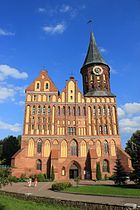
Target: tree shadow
{"points": [[2, 207]]}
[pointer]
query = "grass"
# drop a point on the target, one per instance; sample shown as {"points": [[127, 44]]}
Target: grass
{"points": [[10, 203], [106, 190]]}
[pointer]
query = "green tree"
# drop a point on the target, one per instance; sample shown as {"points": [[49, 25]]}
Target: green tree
{"points": [[10, 145], [98, 171], [120, 176], [133, 149], [4, 177], [52, 174]]}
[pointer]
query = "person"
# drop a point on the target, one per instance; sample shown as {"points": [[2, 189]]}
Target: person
{"points": [[35, 182], [29, 182]]}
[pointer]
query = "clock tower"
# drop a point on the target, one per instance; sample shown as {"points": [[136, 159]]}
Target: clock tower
{"points": [[95, 72]]}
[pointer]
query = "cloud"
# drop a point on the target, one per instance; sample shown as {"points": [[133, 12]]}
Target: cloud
{"points": [[129, 117], [65, 8], [7, 71], [41, 10], [6, 93], [11, 127], [103, 50], [6, 33], [57, 29]]}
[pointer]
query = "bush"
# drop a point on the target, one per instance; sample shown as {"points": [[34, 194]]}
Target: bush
{"points": [[98, 171], [13, 179], [40, 177], [52, 174], [61, 186]]}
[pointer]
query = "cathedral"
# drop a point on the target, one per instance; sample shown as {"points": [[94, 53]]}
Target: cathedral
{"points": [[71, 131]]}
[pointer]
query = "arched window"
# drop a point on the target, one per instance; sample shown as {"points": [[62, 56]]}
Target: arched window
{"points": [[64, 149], [44, 110], [69, 110], [39, 165], [31, 148], [105, 129], [113, 148], [98, 148], [108, 111], [47, 148], [49, 109], [104, 110], [105, 166], [73, 148], [39, 146], [37, 85], [58, 110], [63, 172], [74, 111], [99, 110], [39, 110], [100, 129], [33, 110], [64, 111], [106, 147], [79, 111], [83, 149], [84, 111], [47, 85], [94, 110]]}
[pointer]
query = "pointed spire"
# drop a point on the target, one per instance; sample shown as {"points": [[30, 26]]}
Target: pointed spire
{"points": [[93, 53]]}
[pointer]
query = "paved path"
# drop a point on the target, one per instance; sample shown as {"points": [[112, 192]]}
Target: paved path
{"points": [[43, 190]]}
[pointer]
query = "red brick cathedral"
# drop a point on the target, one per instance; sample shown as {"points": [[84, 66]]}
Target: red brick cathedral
{"points": [[71, 131]]}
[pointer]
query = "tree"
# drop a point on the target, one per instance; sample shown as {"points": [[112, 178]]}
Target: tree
{"points": [[4, 177], [133, 149], [10, 145], [120, 176], [52, 174], [98, 171]]}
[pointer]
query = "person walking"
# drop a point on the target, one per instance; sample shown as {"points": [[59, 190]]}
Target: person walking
{"points": [[35, 182]]}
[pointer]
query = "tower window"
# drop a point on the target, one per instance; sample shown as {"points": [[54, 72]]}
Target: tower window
{"points": [[69, 110], [71, 91], [34, 97], [100, 129], [79, 111], [64, 110], [74, 111], [33, 110], [44, 109], [47, 86], [108, 110], [37, 85], [99, 110], [39, 110], [39, 146], [84, 111], [106, 147], [49, 109], [105, 129], [71, 131], [71, 97], [103, 110], [58, 110], [94, 110]]}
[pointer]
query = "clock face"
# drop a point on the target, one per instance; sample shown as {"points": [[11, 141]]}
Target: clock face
{"points": [[97, 70]]}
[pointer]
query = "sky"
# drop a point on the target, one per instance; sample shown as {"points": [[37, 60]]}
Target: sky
{"points": [[54, 35]]}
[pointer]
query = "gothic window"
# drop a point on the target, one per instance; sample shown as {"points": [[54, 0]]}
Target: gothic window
{"points": [[63, 172], [84, 111], [39, 146], [39, 110], [33, 110], [64, 112], [69, 110], [105, 166], [100, 129], [108, 110], [34, 98], [58, 110], [74, 111], [73, 148], [103, 110], [99, 111], [105, 129], [47, 86], [39, 164], [64, 149], [49, 109], [71, 97], [106, 147], [47, 149], [49, 98], [71, 131], [37, 85], [31, 148], [44, 110], [83, 149], [94, 110], [79, 111], [32, 127]]}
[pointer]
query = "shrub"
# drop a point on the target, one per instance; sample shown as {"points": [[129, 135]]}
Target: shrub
{"points": [[52, 174], [13, 179], [61, 186], [98, 171], [40, 177]]}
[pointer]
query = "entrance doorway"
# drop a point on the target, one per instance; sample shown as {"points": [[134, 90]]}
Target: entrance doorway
{"points": [[74, 171]]}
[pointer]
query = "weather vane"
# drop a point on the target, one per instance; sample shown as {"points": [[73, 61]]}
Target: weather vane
{"points": [[90, 22]]}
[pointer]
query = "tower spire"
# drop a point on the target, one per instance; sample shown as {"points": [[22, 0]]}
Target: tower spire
{"points": [[93, 54]]}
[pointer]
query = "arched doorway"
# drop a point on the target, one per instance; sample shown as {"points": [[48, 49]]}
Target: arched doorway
{"points": [[74, 170]]}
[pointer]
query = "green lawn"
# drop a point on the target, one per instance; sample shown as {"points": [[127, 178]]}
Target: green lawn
{"points": [[106, 190], [10, 203]]}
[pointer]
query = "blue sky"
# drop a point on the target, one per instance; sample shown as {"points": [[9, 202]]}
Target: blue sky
{"points": [[38, 34]]}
